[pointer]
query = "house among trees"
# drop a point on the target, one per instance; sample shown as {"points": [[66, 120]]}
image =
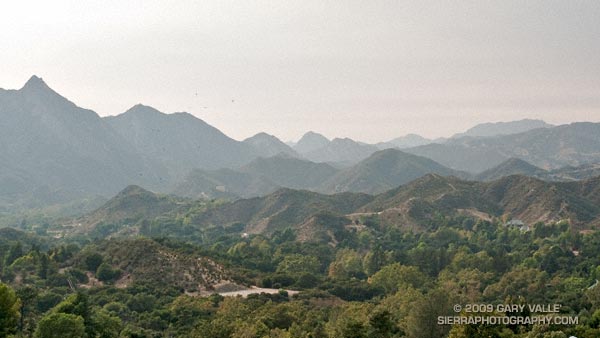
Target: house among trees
{"points": [[517, 223]]}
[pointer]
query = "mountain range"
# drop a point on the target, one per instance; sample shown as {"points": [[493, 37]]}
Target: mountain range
{"points": [[344, 151], [384, 170], [513, 197], [415, 205], [516, 166], [54, 152], [503, 128], [407, 141], [178, 142], [377, 173], [574, 144]]}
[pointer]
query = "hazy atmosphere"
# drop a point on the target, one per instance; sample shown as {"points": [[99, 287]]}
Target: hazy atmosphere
{"points": [[326, 169], [432, 68]]}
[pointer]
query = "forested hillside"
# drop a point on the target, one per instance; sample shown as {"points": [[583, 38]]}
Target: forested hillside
{"points": [[368, 280]]}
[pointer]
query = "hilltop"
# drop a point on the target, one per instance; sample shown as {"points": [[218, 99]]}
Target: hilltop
{"points": [[384, 170], [266, 145], [146, 261], [279, 210], [313, 215], [512, 166], [513, 197], [123, 214]]}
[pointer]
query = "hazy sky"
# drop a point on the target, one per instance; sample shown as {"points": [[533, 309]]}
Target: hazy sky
{"points": [[370, 70]]}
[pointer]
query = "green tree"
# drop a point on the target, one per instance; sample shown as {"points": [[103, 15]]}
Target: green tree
{"points": [[523, 282], [92, 261], [467, 284], [78, 305], [142, 302], [105, 325], [307, 280], [47, 300], [27, 295], [395, 276], [106, 273], [350, 320], [381, 325], [60, 325], [188, 310], [374, 260], [44, 266], [347, 264], [9, 310], [296, 264], [422, 320], [354, 330], [15, 251]]}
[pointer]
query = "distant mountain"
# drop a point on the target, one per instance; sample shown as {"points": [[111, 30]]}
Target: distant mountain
{"points": [[570, 173], [417, 203], [136, 211], [341, 150], [179, 141], [480, 130], [512, 166], [407, 141], [548, 148], [266, 145], [315, 216], [461, 157], [291, 172], [381, 171], [53, 151], [577, 202], [281, 209], [258, 178], [223, 183], [427, 189], [309, 142], [514, 197], [384, 170], [503, 128]]}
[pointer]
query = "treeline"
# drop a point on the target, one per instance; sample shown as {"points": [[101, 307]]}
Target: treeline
{"points": [[374, 281]]}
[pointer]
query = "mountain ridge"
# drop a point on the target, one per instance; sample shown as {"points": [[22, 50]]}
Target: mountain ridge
{"points": [[503, 128], [384, 170], [512, 166], [267, 145], [56, 152], [179, 141], [572, 144], [310, 141], [415, 205], [53, 143]]}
